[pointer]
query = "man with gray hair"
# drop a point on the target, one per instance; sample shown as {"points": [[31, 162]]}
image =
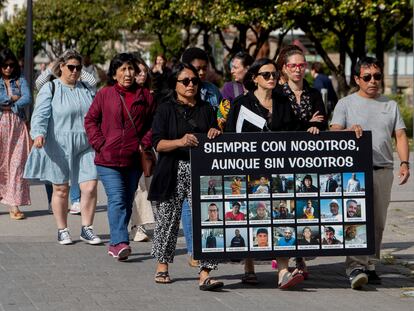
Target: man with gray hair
{"points": [[368, 110]]}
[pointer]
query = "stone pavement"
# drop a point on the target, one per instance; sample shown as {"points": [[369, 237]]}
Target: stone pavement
{"points": [[36, 273]]}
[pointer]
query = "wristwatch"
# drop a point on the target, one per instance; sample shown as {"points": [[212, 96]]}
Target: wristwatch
{"points": [[405, 162]]}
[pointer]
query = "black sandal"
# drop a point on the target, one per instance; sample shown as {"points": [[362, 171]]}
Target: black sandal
{"points": [[162, 277], [209, 285]]}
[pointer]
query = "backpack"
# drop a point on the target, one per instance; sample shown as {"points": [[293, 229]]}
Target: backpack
{"points": [[53, 87]]}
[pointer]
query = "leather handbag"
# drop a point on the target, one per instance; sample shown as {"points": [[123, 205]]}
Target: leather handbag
{"points": [[147, 156]]}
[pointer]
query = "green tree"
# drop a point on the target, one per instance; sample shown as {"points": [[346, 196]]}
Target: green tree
{"points": [[353, 23], [84, 25]]}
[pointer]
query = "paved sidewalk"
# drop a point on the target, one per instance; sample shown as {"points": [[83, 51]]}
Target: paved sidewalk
{"points": [[36, 273]]}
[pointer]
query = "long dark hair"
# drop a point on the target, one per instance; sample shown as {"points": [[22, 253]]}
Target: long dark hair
{"points": [[173, 77], [253, 71], [117, 62], [5, 55]]}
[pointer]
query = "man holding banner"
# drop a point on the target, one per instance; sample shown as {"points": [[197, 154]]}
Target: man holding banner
{"points": [[369, 110]]}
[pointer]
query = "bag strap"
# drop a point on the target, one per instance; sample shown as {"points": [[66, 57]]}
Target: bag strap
{"points": [[129, 115], [191, 121]]}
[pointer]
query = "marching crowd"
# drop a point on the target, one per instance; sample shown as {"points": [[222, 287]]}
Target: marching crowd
{"points": [[79, 135]]}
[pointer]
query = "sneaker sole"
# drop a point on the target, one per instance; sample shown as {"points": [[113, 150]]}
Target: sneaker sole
{"points": [[123, 254], [65, 242], [91, 242], [359, 281]]}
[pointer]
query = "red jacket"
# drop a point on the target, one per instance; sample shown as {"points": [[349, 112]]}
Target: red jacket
{"points": [[114, 139]]}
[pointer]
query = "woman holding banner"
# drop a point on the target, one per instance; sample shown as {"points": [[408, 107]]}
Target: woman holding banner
{"points": [[271, 112], [178, 118]]}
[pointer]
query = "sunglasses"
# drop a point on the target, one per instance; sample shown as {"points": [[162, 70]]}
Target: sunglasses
{"points": [[187, 81], [73, 67], [11, 65], [267, 74], [377, 77], [293, 66]]}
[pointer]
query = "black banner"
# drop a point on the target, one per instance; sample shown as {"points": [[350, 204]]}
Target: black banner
{"points": [[263, 195]]}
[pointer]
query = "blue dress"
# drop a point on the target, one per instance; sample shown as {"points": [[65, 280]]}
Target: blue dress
{"points": [[66, 155]]}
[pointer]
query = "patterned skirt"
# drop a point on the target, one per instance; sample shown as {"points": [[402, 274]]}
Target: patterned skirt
{"points": [[14, 149]]}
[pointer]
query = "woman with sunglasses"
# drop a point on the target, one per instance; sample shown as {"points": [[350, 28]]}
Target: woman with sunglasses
{"points": [[118, 124], [61, 153], [275, 114], [181, 115], [141, 210], [14, 138]]}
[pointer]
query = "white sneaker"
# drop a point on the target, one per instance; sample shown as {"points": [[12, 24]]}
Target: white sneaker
{"points": [[139, 234], [64, 237], [75, 209]]}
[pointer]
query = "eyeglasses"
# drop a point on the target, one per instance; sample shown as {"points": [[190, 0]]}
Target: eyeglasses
{"points": [[73, 67], [267, 74], [293, 66], [186, 81], [11, 65], [377, 77]]}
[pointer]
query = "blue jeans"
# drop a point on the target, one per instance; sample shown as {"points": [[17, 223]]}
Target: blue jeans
{"points": [[120, 184], [74, 193], [187, 220]]}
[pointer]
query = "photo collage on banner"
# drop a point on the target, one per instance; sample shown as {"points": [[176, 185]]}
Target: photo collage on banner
{"points": [[277, 212]]}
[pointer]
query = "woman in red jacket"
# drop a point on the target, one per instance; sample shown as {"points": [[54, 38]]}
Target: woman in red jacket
{"points": [[118, 124]]}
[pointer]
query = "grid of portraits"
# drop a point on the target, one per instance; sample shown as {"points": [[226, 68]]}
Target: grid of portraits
{"points": [[283, 212]]}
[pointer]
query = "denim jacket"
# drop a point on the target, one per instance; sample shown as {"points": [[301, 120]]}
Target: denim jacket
{"points": [[21, 89]]}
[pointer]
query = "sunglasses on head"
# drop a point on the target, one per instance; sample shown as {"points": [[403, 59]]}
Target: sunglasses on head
{"points": [[11, 65], [267, 74], [73, 67], [377, 77], [186, 81]]}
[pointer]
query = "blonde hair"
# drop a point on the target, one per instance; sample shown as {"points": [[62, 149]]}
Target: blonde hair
{"points": [[63, 59]]}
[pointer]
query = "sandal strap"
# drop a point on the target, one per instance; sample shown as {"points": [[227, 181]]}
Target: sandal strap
{"points": [[163, 274]]}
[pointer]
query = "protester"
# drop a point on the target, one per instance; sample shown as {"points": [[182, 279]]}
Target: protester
{"points": [[141, 209], [210, 94], [368, 110], [14, 138], [239, 65], [74, 191], [118, 125], [322, 81], [159, 75], [178, 118], [61, 152]]}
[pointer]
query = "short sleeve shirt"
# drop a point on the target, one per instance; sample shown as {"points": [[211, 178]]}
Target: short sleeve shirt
{"points": [[380, 115]]}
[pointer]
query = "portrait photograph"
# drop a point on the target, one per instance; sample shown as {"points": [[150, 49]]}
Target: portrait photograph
{"points": [[355, 236], [283, 211], [258, 186], [235, 212], [330, 184], [307, 210], [259, 212], [211, 213], [354, 183], [236, 239], [354, 209], [283, 185], [306, 185], [308, 237], [235, 186], [284, 237], [211, 187], [331, 210], [332, 236], [260, 238], [212, 240]]}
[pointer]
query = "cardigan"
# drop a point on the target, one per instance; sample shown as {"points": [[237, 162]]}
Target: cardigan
{"points": [[165, 126]]}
